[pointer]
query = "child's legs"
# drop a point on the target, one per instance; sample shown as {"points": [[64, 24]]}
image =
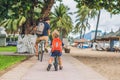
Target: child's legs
{"points": [[60, 60], [36, 45], [56, 53], [51, 60]]}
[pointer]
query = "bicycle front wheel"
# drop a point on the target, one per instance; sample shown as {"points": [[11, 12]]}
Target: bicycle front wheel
{"points": [[56, 63]]}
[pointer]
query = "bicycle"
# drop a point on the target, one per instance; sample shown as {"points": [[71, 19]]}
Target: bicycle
{"points": [[41, 49], [56, 62]]}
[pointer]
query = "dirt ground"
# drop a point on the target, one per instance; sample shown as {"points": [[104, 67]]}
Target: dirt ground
{"points": [[105, 63]]}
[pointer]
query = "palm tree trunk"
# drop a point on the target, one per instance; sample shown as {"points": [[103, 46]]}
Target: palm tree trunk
{"points": [[97, 25], [83, 34], [80, 33], [27, 26]]}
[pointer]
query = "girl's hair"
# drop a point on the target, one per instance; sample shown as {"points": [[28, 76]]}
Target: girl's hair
{"points": [[55, 34]]}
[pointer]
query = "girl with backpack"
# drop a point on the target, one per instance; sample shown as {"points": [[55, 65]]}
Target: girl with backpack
{"points": [[56, 50]]}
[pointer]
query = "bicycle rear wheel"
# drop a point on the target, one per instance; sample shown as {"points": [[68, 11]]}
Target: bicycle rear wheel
{"points": [[41, 51], [41, 56]]}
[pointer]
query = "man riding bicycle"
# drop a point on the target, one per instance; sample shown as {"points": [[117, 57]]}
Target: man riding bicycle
{"points": [[45, 33]]}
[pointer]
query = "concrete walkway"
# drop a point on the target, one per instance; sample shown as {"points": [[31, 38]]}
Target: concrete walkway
{"points": [[33, 69]]}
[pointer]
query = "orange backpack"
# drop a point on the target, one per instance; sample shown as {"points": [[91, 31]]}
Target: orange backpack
{"points": [[57, 45]]}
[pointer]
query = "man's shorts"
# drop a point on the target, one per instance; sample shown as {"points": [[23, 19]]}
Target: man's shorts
{"points": [[42, 38], [56, 53]]}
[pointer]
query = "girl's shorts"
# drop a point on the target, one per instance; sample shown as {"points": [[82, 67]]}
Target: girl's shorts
{"points": [[56, 53]]}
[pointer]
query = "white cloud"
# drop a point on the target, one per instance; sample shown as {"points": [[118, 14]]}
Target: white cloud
{"points": [[106, 22], [72, 5]]}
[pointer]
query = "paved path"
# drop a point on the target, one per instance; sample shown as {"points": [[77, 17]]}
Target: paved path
{"points": [[33, 69]]}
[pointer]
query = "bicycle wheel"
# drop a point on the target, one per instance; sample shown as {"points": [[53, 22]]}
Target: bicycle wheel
{"points": [[56, 63], [39, 51], [41, 56]]}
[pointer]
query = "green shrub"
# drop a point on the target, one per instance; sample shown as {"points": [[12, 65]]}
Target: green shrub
{"points": [[12, 38]]}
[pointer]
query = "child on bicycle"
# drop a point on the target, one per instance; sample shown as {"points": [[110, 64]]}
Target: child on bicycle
{"points": [[56, 50]]}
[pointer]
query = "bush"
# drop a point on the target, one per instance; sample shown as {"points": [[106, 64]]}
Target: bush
{"points": [[12, 38]]}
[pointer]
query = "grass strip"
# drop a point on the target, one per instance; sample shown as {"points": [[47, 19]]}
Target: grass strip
{"points": [[8, 49], [7, 61]]}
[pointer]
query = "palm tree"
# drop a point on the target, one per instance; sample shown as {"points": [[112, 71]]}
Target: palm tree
{"points": [[82, 21], [13, 25], [61, 20]]}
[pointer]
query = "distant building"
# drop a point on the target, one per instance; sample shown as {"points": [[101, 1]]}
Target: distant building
{"points": [[3, 36], [91, 34], [99, 33]]}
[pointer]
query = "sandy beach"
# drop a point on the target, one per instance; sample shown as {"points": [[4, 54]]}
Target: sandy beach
{"points": [[105, 63]]}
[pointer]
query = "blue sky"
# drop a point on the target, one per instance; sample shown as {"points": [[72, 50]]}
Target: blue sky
{"points": [[106, 21]]}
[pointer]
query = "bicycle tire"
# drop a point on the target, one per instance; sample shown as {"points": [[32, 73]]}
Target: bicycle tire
{"points": [[41, 51], [41, 56], [38, 55], [56, 63]]}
